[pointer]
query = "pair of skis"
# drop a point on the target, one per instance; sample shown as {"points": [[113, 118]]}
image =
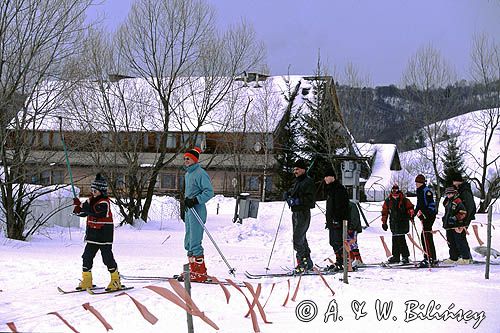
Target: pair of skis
{"points": [[92, 291]]}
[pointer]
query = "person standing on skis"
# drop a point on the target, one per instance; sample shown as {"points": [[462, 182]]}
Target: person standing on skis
{"points": [[426, 212], [197, 191], [300, 199], [399, 210], [98, 234], [337, 211]]}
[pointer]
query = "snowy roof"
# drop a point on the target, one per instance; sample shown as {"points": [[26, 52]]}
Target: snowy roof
{"points": [[381, 178], [135, 105]]}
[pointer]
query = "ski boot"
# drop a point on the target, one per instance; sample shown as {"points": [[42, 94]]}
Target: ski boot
{"points": [[115, 283], [198, 269], [86, 281]]}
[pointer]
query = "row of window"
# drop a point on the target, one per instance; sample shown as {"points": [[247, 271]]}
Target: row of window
{"points": [[166, 181], [150, 141]]}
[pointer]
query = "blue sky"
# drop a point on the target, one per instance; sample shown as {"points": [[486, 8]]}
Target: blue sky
{"points": [[378, 37]]}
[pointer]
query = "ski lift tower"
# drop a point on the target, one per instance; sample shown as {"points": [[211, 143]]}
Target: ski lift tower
{"points": [[351, 170]]}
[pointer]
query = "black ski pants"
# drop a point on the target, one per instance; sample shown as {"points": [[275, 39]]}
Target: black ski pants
{"points": [[399, 247], [106, 253], [459, 247], [336, 241], [300, 221]]}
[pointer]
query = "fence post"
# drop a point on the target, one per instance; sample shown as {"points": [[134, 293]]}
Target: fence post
{"points": [[488, 243], [187, 286]]}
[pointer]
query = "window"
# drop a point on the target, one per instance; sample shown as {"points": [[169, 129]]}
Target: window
{"points": [[269, 183], [45, 139], [200, 141], [171, 140], [45, 177], [57, 177], [56, 140], [167, 180], [252, 183], [120, 180], [106, 140]]}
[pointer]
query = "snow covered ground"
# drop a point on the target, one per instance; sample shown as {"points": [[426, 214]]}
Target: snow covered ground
{"points": [[31, 271]]}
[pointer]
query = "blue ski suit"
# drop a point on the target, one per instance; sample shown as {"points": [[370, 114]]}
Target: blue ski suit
{"points": [[197, 184]]}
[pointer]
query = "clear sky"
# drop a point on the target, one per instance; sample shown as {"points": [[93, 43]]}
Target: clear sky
{"points": [[377, 36]]}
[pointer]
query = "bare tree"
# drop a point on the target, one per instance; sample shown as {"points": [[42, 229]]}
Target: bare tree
{"points": [[426, 77], [485, 70], [37, 39], [174, 46]]}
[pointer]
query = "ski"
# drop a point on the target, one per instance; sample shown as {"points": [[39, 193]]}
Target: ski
{"points": [[286, 274], [104, 291], [417, 267], [166, 278], [387, 265], [62, 291]]}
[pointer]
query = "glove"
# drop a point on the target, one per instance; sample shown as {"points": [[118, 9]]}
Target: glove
{"points": [[191, 202], [293, 202], [77, 210], [452, 220], [385, 226], [76, 202]]}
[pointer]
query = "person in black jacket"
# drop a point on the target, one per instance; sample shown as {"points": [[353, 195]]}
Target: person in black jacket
{"points": [[98, 234], [465, 194], [454, 222], [426, 212], [300, 199], [337, 211]]}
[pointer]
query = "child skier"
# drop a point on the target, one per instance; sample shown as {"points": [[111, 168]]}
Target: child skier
{"points": [[98, 234]]}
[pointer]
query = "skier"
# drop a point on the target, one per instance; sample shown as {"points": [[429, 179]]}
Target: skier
{"points": [[300, 199], [454, 222], [399, 209], [337, 211], [426, 212], [352, 235], [465, 194], [197, 191], [98, 234]]}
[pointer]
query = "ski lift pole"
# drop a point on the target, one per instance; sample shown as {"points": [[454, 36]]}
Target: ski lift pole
{"points": [[67, 158], [275, 237], [195, 213]]}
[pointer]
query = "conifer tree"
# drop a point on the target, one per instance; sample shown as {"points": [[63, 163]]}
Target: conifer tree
{"points": [[453, 162]]}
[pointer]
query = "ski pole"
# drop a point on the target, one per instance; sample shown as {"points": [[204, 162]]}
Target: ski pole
{"points": [[195, 213], [275, 237], [67, 158]]}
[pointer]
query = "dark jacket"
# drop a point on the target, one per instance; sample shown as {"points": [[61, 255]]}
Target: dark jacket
{"points": [[400, 211], [465, 194], [303, 190], [337, 205], [425, 203], [100, 225], [455, 213], [355, 219]]}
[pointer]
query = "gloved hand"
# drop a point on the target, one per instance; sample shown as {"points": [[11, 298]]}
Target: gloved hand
{"points": [[452, 220], [77, 209], [77, 202], [191, 202], [385, 226], [293, 202]]}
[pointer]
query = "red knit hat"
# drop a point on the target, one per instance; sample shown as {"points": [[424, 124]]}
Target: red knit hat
{"points": [[193, 154]]}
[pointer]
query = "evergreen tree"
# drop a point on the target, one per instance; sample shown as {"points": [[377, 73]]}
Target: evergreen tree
{"points": [[322, 130], [453, 162]]}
